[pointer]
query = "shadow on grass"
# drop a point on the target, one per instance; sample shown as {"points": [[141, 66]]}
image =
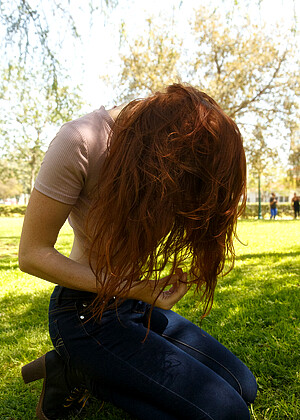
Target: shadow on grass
{"points": [[7, 263], [8, 260], [255, 315], [22, 315], [23, 337]]}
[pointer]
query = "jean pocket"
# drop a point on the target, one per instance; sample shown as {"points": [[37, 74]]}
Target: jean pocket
{"points": [[57, 340]]}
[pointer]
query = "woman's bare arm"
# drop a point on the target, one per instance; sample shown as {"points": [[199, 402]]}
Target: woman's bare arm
{"points": [[37, 255]]}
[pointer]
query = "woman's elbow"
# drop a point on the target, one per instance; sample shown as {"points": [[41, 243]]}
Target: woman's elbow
{"points": [[25, 261]]}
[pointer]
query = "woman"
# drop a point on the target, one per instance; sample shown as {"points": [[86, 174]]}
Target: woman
{"points": [[153, 183]]}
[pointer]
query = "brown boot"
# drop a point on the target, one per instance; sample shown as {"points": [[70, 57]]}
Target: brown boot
{"points": [[58, 398]]}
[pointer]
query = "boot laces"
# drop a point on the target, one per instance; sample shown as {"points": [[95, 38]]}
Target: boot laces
{"points": [[77, 396]]}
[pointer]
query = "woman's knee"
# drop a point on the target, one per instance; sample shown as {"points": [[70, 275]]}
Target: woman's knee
{"points": [[235, 412], [248, 387], [229, 406], [213, 399]]}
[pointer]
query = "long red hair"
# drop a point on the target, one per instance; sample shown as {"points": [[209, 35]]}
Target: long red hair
{"points": [[169, 192]]}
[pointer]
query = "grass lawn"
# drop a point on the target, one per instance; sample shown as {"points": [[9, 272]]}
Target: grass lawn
{"points": [[255, 314]]}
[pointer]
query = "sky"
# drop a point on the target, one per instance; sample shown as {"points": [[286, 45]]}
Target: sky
{"points": [[98, 52]]}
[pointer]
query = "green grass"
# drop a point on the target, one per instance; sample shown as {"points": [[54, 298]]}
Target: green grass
{"points": [[255, 314]]}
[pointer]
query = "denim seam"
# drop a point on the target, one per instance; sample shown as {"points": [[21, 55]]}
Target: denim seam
{"points": [[143, 374], [203, 354]]}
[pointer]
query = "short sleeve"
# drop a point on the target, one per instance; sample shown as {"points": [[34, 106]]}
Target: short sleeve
{"points": [[64, 169]]}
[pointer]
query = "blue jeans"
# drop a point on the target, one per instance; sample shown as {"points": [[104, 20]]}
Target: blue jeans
{"points": [[178, 372], [273, 213]]}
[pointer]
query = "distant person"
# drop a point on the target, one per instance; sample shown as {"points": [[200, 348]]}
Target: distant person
{"points": [[295, 205], [273, 206]]}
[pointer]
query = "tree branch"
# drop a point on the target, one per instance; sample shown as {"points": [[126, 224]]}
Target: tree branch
{"points": [[246, 103]]}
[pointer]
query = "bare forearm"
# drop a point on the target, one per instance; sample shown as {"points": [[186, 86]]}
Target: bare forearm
{"points": [[50, 265]]}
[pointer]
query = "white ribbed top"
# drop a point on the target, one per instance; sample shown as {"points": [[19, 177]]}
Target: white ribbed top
{"points": [[70, 168]]}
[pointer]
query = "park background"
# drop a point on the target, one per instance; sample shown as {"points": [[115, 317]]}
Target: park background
{"points": [[61, 59]]}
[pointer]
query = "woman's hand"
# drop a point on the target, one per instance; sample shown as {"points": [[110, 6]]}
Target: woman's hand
{"points": [[37, 256], [151, 291]]}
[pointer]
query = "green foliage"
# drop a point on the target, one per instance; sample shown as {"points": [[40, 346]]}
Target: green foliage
{"points": [[255, 314], [27, 121], [8, 211], [29, 34], [240, 65], [250, 72], [285, 210], [150, 62], [294, 159], [35, 92], [244, 67], [10, 188], [260, 157]]}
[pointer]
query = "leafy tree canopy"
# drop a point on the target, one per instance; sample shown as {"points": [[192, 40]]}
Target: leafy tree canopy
{"points": [[26, 121], [34, 31], [251, 73]]}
